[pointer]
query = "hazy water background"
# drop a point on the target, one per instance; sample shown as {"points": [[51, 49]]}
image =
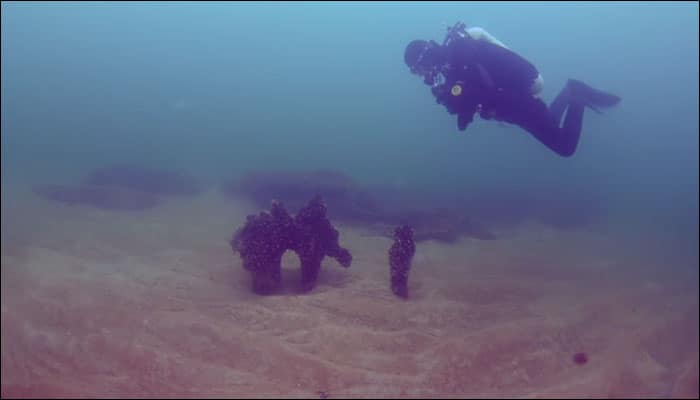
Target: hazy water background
{"points": [[218, 89], [99, 302]]}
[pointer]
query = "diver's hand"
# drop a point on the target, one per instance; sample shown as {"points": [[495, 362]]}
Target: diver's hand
{"points": [[463, 120]]}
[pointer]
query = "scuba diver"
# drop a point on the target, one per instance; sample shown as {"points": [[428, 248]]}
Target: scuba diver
{"points": [[472, 72]]}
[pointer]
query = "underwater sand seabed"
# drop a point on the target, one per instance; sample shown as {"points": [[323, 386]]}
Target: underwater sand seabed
{"points": [[154, 303]]}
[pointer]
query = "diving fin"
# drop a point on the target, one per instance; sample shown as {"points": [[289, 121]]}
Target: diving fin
{"points": [[592, 98]]}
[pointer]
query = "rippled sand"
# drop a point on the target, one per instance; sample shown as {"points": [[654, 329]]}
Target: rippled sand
{"points": [[154, 303]]}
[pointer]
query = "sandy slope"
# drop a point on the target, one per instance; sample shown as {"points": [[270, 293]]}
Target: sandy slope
{"points": [[99, 303]]}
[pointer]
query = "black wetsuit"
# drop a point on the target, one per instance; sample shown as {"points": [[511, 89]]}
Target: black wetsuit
{"points": [[496, 83]]}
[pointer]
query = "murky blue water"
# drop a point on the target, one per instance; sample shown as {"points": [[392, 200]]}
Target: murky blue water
{"points": [[217, 90]]}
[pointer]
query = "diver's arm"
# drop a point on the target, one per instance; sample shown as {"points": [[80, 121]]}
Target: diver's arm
{"points": [[464, 110]]}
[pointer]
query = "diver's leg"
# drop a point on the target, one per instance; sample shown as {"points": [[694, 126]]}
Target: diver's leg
{"points": [[572, 100], [558, 105], [545, 123], [565, 139], [535, 117], [571, 131]]}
